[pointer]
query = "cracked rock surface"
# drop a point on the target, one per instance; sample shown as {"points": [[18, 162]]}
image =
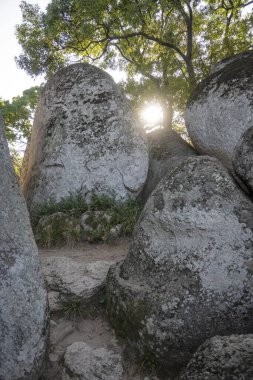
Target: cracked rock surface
{"points": [[85, 138]]}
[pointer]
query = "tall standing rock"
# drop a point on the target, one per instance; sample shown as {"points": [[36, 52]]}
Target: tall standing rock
{"points": [[188, 273], [220, 109], [23, 298], [85, 138]]}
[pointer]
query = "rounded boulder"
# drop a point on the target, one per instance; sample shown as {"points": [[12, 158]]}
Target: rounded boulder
{"points": [[220, 109], [222, 357], [85, 138], [188, 273]]}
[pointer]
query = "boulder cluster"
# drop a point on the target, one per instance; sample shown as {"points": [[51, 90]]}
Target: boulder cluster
{"points": [[183, 296], [188, 274]]}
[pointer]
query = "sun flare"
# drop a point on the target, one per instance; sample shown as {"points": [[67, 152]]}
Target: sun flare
{"points": [[152, 115]]}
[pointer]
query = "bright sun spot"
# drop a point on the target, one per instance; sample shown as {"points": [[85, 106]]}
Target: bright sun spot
{"points": [[152, 115]]}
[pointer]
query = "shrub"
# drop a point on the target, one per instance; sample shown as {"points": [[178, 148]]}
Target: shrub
{"points": [[60, 223], [58, 229], [73, 204]]}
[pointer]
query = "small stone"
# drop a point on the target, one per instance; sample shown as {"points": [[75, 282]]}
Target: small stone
{"points": [[54, 357], [115, 232], [52, 323], [74, 285], [85, 363], [66, 332], [84, 222]]}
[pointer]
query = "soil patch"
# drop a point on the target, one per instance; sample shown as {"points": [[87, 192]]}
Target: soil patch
{"points": [[90, 252]]}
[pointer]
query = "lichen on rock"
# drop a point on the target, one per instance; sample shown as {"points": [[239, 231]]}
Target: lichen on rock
{"points": [[220, 109], [222, 357], [188, 273], [23, 297], [85, 139]]}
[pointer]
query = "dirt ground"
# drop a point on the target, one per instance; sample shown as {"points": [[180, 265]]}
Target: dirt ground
{"points": [[94, 330], [90, 252]]}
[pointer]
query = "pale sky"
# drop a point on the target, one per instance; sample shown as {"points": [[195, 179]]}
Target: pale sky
{"points": [[13, 81]]}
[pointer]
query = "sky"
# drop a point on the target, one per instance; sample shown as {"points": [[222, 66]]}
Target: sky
{"points": [[13, 80]]}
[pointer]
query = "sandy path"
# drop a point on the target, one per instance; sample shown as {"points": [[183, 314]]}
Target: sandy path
{"points": [[88, 252]]}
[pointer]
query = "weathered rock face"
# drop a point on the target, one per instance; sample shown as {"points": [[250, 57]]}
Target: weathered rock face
{"points": [[166, 151], [226, 357], [85, 138], [23, 298], [69, 281], [188, 273], [243, 158], [221, 108], [84, 363]]}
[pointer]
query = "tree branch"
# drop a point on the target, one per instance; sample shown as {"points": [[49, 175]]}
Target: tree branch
{"points": [[148, 37]]}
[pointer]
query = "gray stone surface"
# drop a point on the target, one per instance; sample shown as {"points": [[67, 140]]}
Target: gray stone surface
{"points": [[23, 298], [243, 158], [220, 110], [188, 273], [222, 357], [69, 281], [166, 151], [85, 138], [81, 362]]}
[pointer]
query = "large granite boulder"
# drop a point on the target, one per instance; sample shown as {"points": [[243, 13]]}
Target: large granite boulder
{"points": [[220, 109], [188, 273], [166, 151], [85, 138], [23, 298], [222, 357]]}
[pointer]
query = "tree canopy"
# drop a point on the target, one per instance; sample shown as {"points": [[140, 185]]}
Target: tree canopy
{"points": [[168, 45], [18, 114]]}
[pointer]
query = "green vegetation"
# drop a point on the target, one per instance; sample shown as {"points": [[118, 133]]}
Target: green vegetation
{"points": [[18, 117], [57, 230], [73, 205], [149, 363], [73, 308], [18, 114], [61, 223], [166, 47]]}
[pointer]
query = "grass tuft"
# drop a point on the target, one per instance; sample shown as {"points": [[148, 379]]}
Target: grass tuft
{"points": [[59, 224]]}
